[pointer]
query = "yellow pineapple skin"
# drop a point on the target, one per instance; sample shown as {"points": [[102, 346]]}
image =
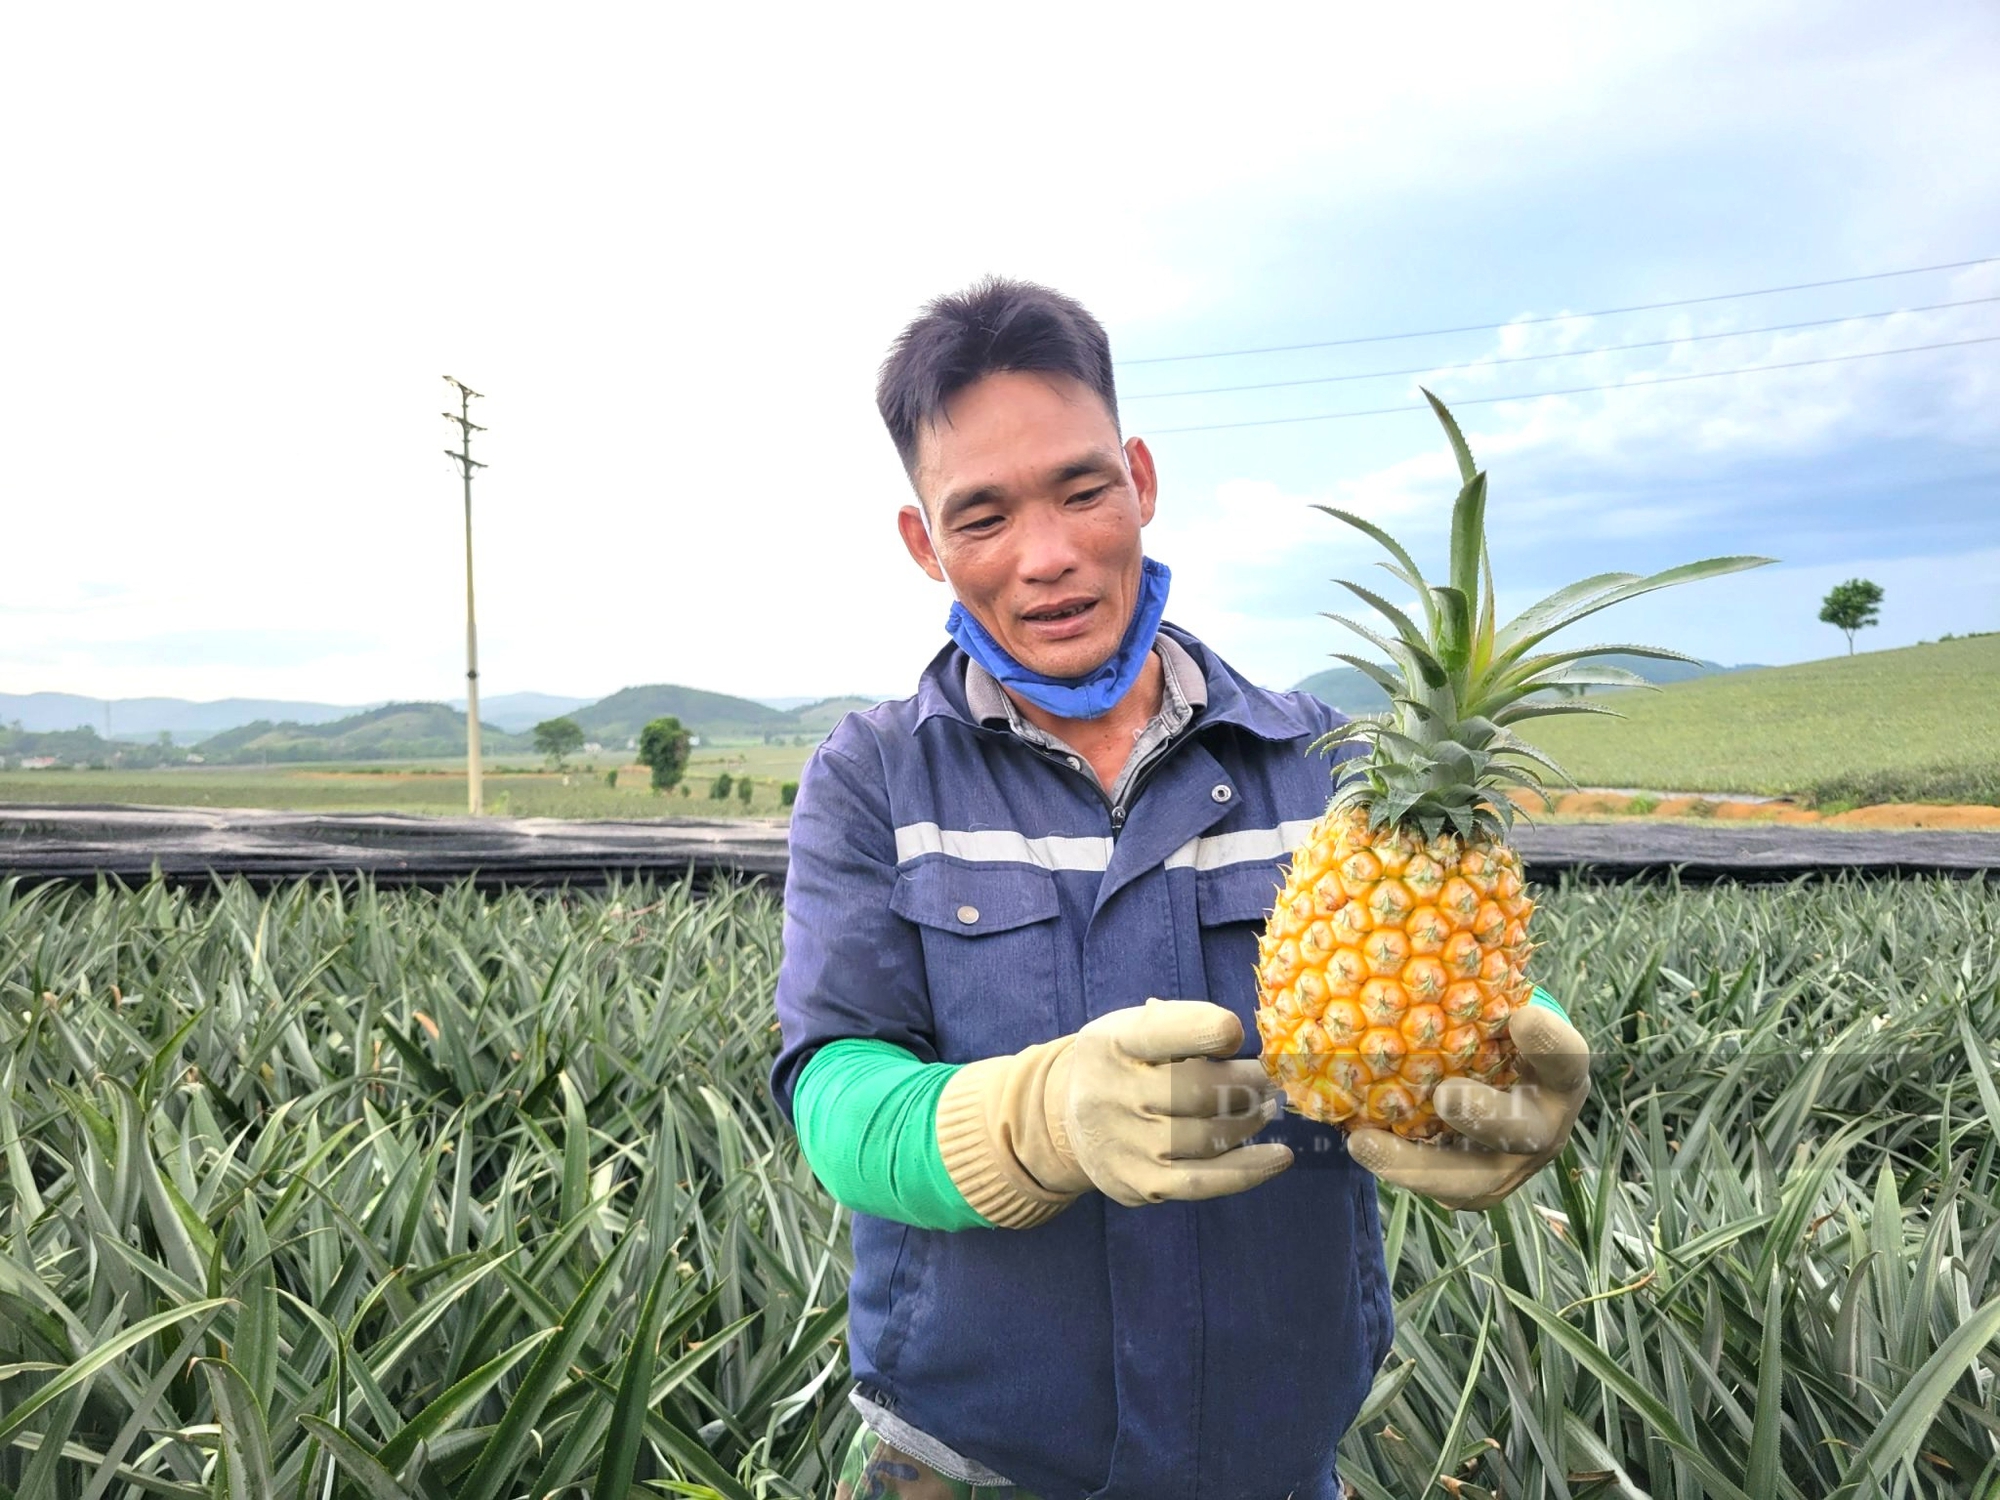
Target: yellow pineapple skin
{"points": [[1390, 963]]}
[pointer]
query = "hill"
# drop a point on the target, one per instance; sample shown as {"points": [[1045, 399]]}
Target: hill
{"points": [[395, 731], [189, 722], [713, 716], [1917, 724], [224, 727], [1348, 690], [518, 713], [818, 718], [146, 718], [82, 747]]}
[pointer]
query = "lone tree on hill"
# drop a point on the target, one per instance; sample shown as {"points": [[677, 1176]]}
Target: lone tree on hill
{"points": [[558, 739], [1850, 606], [663, 745]]}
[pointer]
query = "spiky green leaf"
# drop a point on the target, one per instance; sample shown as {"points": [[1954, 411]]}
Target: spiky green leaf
{"points": [[1460, 451], [1468, 541]]}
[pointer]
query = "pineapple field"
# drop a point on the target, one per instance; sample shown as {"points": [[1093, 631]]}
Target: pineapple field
{"points": [[342, 1192]]}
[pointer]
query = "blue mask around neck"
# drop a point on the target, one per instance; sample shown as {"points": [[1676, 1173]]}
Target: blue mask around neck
{"points": [[1097, 692]]}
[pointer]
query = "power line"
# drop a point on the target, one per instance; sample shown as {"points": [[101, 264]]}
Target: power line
{"points": [[1582, 390], [1424, 333], [1522, 359]]}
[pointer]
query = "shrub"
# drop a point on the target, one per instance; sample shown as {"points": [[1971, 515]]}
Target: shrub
{"points": [[663, 745], [720, 789], [788, 793], [745, 789], [611, 778]]}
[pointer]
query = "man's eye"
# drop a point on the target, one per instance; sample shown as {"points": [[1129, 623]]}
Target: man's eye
{"points": [[1090, 494], [982, 524]]}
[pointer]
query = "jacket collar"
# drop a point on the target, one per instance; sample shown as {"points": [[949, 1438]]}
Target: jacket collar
{"points": [[1184, 690], [1232, 699]]}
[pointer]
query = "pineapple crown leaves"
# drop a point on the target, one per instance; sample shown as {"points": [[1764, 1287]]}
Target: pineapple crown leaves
{"points": [[1435, 755]]}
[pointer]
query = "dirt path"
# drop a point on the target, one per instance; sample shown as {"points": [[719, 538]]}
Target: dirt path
{"points": [[1578, 806]]}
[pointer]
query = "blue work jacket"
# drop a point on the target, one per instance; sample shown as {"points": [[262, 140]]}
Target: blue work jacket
{"points": [[961, 893]]}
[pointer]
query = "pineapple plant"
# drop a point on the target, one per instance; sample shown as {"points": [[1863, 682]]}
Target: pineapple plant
{"points": [[1398, 947]]}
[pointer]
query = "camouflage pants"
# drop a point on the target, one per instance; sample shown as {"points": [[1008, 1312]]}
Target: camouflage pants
{"points": [[873, 1470]]}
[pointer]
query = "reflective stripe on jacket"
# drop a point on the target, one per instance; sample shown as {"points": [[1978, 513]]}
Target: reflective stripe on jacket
{"points": [[959, 892]]}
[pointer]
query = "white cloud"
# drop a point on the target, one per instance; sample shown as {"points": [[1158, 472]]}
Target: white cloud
{"points": [[1802, 410], [1600, 472]]}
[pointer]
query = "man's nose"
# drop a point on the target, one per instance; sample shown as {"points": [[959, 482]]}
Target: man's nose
{"points": [[1048, 550]]}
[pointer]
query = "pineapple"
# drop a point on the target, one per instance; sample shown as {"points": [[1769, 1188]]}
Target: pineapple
{"points": [[1399, 947]]}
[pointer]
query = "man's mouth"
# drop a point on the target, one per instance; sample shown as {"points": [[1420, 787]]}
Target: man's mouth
{"points": [[1059, 612]]}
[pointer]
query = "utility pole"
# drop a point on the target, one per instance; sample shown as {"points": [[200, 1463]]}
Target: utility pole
{"points": [[466, 464]]}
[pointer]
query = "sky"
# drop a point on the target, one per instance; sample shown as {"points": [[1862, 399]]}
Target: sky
{"points": [[670, 248]]}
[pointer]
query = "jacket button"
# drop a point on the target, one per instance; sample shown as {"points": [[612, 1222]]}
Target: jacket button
{"points": [[1075, 764], [968, 915], [1221, 794]]}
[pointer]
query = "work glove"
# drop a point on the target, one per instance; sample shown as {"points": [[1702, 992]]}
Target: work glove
{"points": [[1505, 1136], [1145, 1104]]}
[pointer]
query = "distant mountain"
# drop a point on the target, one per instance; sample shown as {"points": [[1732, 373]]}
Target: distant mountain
{"points": [[822, 716], [255, 729], [1663, 672], [83, 747], [1348, 690], [713, 716], [144, 718], [395, 731], [793, 705], [613, 720], [518, 713]]}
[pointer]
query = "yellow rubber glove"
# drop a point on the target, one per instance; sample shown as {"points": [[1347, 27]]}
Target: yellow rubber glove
{"points": [[1146, 1104], [1155, 1105], [1505, 1136]]}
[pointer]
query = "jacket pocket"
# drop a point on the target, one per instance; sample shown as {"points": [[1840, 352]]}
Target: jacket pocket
{"points": [[989, 939], [1238, 893], [1232, 903]]}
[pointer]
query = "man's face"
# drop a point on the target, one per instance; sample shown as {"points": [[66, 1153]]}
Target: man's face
{"points": [[1035, 510]]}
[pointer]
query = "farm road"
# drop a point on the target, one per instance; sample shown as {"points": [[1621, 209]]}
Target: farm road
{"points": [[199, 844]]}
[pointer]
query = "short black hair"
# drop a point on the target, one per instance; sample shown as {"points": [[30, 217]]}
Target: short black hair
{"points": [[994, 325]]}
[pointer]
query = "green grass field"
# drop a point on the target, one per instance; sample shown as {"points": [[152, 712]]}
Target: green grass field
{"points": [[1920, 724], [513, 787]]}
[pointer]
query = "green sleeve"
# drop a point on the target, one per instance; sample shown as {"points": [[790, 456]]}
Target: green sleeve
{"points": [[866, 1113], [1544, 999]]}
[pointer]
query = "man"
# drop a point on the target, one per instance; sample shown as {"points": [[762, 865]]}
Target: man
{"points": [[1082, 1267]]}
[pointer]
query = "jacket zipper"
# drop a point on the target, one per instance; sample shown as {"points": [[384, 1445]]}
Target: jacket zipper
{"points": [[1113, 811]]}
